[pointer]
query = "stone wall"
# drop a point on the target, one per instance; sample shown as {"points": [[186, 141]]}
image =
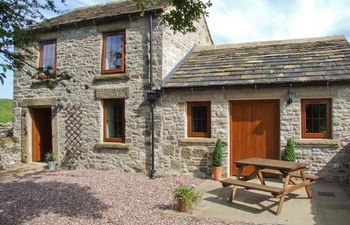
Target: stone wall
{"points": [[6, 130], [329, 158], [176, 46], [10, 152], [76, 104]]}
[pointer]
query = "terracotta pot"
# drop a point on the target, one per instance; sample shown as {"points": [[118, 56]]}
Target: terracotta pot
{"points": [[181, 205], [217, 171]]}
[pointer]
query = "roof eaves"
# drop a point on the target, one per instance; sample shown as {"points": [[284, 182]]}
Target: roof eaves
{"points": [[48, 25], [324, 79]]}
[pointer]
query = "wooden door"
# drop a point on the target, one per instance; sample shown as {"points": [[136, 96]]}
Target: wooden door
{"points": [[254, 131], [41, 133]]}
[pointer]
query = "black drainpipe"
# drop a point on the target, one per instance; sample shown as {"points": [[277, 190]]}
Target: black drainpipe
{"points": [[152, 94]]}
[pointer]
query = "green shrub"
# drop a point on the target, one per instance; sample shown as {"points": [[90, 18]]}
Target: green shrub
{"points": [[217, 155], [189, 194], [289, 152], [49, 157]]}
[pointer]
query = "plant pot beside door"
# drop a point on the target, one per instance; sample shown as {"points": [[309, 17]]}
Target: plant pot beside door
{"points": [[217, 160], [50, 161]]}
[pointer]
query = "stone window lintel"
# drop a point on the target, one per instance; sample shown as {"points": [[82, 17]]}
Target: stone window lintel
{"points": [[112, 93]]}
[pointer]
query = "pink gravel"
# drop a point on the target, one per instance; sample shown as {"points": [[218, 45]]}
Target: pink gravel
{"points": [[91, 197]]}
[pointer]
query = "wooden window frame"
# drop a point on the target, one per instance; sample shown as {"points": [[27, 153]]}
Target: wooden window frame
{"points": [[304, 103], [105, 103], [189, 119], [41, 52], [104, 45]]}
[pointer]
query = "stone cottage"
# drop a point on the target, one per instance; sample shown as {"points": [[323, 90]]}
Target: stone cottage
{"points": [[142, 98]]}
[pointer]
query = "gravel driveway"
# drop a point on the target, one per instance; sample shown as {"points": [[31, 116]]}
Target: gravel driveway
{"points": [[90, 197]]}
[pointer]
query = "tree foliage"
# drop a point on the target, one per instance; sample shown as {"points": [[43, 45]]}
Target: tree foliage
{"points": [[217, 154], [289, 152], [16, 16], [183, 13]]}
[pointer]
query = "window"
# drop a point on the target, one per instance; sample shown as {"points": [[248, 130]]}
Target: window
{"points": [[113, 52], [316, 118], [48, 55], [198, 119], [114, 121]]}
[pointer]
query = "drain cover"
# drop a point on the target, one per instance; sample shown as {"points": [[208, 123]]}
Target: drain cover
{"points": [[326, 194]]}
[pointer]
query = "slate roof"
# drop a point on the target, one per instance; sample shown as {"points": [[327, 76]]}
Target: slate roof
{"points": [[98, 12], [273, 62]]}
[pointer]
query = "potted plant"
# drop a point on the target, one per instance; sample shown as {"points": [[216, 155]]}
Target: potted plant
{"points": [[50, 160], [185, 196], [289, 152], [217, 160]]}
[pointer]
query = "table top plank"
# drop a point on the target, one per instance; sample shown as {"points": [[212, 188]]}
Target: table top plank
{"points": [[271, 164]]}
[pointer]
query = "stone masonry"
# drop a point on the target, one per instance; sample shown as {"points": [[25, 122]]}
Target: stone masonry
{"points": [[328, 158], [10, 152], [6, 130], [79, 53]]}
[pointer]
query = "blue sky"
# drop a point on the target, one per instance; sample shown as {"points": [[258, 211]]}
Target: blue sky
{"points": [[235, 21]]}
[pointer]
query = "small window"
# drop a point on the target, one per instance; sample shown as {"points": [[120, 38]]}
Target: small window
{"points": [[316, 118], [114, 121], [48, 55], [198, 119], [113, 53]]}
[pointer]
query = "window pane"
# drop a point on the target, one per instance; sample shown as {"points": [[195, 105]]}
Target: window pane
{"points": [[323, 111], [308, 111], [199, 118], [48, 55], [114, 120], [323, 125], [113, 51], [315, 125], [316, 118]]}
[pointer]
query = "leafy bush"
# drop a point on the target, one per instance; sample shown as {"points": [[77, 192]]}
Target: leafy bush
{"points": [[217, 155], [189, 194], [289, 152], [49, 157]]}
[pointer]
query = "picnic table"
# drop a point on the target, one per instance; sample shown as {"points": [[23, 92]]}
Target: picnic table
{"points": [[263, 166]]}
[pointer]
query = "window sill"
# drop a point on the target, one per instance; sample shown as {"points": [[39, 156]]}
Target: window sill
{"points": [[197, 141], [41, 81], [116, 76], [112, 146], [321, 143]]}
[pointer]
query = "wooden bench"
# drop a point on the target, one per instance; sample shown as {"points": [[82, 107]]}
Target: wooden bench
{"points": [[311, 177], [275, 191]]}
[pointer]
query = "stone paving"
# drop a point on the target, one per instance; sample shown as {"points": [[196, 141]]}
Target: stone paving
{"points": [[22, 170], [330, 205]]}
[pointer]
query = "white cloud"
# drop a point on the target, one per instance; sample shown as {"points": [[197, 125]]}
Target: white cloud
{"points": [[257, 20]]}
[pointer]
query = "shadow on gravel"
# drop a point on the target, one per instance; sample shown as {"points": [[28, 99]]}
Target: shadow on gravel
{"points": [[22, 201]]}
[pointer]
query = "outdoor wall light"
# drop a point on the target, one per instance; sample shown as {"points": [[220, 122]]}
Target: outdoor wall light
{"points": [[153, 95], [290, 94]]}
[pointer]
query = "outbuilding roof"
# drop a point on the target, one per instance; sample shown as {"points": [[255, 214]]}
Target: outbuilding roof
{"points": [[98, 12], [272, 62]]}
